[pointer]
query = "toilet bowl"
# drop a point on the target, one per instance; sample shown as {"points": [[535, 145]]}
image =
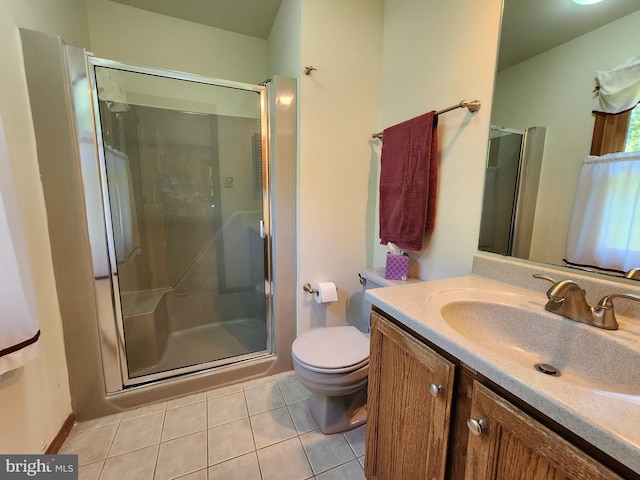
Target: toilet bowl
{"points": [[333, 363]]}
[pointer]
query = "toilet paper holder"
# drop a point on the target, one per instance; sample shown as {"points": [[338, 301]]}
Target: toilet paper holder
{"points": [[308, 288]]}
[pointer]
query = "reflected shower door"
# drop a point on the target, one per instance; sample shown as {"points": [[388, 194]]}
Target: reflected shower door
{"points": [[499, 203], [184, 178]]}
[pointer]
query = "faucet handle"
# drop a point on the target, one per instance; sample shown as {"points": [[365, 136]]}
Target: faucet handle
{"points": [[607, 300], [544, 277], [605, 313], [634, 274]]}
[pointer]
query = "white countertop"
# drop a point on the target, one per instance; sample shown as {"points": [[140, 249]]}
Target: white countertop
{"points": [[608, 420]]}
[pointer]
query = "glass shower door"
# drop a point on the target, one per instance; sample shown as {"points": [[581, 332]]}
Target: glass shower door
{"points": [[184, 182], [499, 204]]}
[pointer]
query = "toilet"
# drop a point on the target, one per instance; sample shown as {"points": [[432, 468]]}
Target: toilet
{"points": [[333, 363]]}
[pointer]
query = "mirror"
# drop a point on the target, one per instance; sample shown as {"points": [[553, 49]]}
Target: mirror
{"points": [[549, 54]]}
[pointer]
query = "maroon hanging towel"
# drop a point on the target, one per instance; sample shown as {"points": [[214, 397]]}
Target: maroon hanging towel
{"points": [[408, 181]]}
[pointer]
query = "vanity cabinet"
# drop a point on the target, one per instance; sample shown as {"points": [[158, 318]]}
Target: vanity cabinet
{"points": [[506, 443], [424, 423], [408, 408]]}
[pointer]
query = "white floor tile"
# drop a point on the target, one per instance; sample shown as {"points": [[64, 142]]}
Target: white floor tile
{"points": [[184, 420], [146, 410], [272, 427], [90, 472], [226, 409], [137, 433], [258, 382], [199, 475], [90, 446], [188, 400], [285, 375], [139, 464], [348, 471], [284, 460], [97, 423], [259, 430], [302, 418], [181, 456], [264, 398], [244, 467], [326, 451], [293, 391], [223, 391], [230, 440], [357, 439]]}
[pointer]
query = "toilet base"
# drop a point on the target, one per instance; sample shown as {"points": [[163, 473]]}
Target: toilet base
{"points": [[339, 414]]}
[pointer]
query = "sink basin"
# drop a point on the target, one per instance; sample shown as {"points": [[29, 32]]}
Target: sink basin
{"points": [[519, 329]]}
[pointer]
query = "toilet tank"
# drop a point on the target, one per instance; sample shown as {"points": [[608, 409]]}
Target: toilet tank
{"points": [[359, 309]]}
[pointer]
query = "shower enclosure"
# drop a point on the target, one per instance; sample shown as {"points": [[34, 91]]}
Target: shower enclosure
{"points": [[183, 174], [170, 201]]}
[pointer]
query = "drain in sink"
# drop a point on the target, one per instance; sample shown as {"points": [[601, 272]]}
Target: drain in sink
{"points": [[547, 369]]}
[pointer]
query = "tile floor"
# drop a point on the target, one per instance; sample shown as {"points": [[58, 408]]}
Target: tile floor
{"points": [[261, 430]]}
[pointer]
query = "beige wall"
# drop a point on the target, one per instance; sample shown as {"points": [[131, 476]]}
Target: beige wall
{"points": [[284, 41], [555, 90], [131, 35], [34, 400], [434, 58], [339, 105]]}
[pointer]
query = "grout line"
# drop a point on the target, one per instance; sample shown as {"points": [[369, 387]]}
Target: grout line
{"points": [[113, 439], [155, 464], [206, 426], [349, 443], [104, 462], [313, 473], [255, 453]]}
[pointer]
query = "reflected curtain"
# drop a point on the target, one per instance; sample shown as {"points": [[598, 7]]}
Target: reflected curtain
{"points": [[618, 89], [604, 231], [123, 215], [19, 326]]}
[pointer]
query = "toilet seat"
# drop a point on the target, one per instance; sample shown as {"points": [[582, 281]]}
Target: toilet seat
{"points": [[332, 349]]}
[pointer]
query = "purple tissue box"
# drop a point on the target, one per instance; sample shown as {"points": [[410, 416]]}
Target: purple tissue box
{"points": [[397, 267]]}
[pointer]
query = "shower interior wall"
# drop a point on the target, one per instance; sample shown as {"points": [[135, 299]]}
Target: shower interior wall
{"points": [[176, 276]]}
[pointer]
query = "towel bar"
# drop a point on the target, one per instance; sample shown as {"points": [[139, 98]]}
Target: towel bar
{"points": [[472, 105]]}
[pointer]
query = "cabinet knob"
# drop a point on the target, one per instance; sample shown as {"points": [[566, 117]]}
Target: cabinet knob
{"points": [[435, 390], [476, 426]]}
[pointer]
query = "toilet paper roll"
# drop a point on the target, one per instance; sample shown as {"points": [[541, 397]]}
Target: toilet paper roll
{"points": [[327, 292]]}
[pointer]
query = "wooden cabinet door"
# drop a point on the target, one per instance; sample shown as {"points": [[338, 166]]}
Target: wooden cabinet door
{"points": [[407, 426], [514, 446]]}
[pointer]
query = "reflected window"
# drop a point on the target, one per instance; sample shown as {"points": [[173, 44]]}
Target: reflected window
{"points": [[633, 133]]}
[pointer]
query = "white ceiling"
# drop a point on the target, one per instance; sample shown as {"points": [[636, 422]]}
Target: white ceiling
{"points": [[529, 27]]}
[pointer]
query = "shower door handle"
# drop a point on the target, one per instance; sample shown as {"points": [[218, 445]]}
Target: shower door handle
{"points": [[262, 232]]}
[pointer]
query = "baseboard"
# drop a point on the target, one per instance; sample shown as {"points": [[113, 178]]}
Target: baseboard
{"points": [[62, 435]]}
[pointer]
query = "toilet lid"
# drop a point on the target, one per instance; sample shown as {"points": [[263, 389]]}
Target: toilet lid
{"points": [[332, 347]]}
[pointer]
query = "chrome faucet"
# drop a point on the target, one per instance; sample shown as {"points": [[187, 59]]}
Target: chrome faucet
{"points": [[567, 299]]}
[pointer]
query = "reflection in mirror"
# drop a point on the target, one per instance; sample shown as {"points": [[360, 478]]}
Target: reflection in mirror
{"points": [[547, 78], [512, 179]]}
